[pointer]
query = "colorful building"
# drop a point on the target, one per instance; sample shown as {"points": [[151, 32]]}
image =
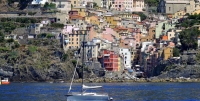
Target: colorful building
{"points": [[110, 60], [81, 10], [167, 53], [128, 5]]}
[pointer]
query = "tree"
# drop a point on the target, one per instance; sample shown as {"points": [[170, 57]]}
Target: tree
{"points": [[95, 5], [188, 38], [152, 2], [142, 15], [1, 37], [176, 52]]}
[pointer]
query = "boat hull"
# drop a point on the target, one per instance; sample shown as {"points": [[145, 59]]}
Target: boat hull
{"points": [[5, 82], [87, 98]]}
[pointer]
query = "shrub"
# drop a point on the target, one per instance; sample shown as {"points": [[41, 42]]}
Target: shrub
{"points": [[57, 25], [64, 57], [32, 49], [49, 35], [10, 40], [74, 62]]}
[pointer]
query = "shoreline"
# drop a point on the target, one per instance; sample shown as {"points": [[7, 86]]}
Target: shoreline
{"points": [[118, 80]]}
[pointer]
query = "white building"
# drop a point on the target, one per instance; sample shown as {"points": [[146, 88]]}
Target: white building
{"points": [[127, 56], [39, 2], [92, 49]]}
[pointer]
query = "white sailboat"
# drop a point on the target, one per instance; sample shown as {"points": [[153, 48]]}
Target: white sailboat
{"points": [[84, 95]]}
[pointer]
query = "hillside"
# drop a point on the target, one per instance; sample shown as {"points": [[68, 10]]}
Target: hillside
{"points": [[41, 60]]}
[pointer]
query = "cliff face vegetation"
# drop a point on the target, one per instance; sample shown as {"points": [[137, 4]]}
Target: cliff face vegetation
{"points": [[40, 60]]}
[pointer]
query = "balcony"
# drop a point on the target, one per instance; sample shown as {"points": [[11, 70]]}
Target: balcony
{"points": [[106, 61]]}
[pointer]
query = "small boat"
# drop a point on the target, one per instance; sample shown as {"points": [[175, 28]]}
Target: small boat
{"points": [[83, 95], [5, 81]]}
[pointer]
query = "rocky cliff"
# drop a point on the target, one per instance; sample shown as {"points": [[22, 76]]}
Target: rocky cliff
{"points": [[39, 60]]}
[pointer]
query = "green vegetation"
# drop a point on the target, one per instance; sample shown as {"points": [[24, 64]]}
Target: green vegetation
{"points": [[9, 24], [4, 49], [1, 37], [49, 5], [95, 5], [198, 57], [64, 57], [176, 52], [57, 25], [142, 16], [32, 49], [49, 36], [13, 55], [187, 38], [152, 2], [31, 13], [74, 62]]}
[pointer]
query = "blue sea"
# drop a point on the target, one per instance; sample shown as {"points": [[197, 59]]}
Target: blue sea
{"points": [[119, 91]]}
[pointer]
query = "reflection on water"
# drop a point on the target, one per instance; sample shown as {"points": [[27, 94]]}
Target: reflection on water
{"points": [[120, 91]]}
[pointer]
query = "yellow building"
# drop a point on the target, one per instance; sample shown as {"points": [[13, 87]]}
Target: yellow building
{"points": [[126, 15], [81, 10], [111, 19], [179, 14], [75, 3], [73, 41], [167, 53], [94, 20], [196, 12]]}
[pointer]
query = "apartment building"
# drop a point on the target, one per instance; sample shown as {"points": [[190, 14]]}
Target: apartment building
{"points": [[128, 5]]}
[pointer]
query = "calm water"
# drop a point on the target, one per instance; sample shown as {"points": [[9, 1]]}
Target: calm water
{"points": [[120, 91]]}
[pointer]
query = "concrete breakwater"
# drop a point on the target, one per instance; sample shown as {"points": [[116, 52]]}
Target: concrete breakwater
{"points": [[119, 80]]}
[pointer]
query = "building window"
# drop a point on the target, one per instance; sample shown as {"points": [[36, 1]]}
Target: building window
{"points": [[76, 42], [72, 42], [74, 2], [76, 39], [169, 8]]}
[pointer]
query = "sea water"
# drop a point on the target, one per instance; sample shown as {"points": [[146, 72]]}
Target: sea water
{"points": [[119, 91]]}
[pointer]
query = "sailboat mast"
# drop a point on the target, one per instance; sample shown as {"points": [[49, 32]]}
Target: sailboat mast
{"points": [[83, 59]]}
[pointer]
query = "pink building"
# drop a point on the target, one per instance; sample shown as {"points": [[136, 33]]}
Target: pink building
{"points": [[137, 35]]}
